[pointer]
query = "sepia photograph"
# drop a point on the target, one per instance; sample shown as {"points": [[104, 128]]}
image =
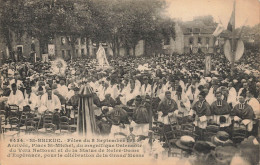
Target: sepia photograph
{"points": [[129, 82]]}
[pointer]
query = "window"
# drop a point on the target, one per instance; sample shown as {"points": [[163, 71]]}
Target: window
{"points": [[63, 41], [69, 40], [82, 52], [207, 40], [191, 40], [33, 47], [196, 30], [199, 40], [82, 40], [63, 53], [68, 52], [189, 30]]}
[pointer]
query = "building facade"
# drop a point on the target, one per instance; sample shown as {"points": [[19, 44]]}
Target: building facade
{"points": [[191, 37]]}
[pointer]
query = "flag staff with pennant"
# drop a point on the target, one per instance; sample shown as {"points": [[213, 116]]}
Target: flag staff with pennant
{"points": [[231, 27]]}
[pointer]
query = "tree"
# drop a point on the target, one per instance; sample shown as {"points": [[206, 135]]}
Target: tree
{"points": [[12, 20]]}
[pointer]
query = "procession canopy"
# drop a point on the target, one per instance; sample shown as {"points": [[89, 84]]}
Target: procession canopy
{"points": [[86, 123]]}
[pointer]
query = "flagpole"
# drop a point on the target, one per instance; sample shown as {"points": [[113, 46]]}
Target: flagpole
{"points": [[233, 41]]}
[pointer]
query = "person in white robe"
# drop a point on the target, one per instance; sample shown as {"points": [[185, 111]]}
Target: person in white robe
{"points": [[71, 91], [16, 97], [253, 102], [131, 91], [183, 103], [30, 99], [112, 90], [159, 90], [192, 92], [50, 102], [146, 88], [232, 94], [63, 89]]}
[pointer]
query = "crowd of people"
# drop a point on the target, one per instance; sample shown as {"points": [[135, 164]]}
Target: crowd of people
{"points": [[136, 91]]}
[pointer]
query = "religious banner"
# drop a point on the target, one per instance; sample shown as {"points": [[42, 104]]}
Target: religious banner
{"points": [[51, 49], [45, 58], [207, 64]]}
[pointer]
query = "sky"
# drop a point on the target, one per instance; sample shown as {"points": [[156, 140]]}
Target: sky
{"points": [[247, 11]]}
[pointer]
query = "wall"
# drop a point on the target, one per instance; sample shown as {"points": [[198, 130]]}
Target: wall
{"points": [[25, 42], [195, 44]]}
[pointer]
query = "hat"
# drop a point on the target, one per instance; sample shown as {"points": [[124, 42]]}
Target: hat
{"points": [[221, 139], [185, 142], [203, 147]]}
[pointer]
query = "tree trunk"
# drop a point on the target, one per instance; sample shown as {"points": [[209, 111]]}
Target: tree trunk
{"points": [[8, 38], [87, 45], [134, 50], [145, 48], [117, 46]]}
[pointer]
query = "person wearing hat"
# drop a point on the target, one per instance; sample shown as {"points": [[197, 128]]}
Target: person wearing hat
{"points": [[221, 139], [203, 152], [243, 113], [50, 101], [146, 87], [220, 111], [166, 107], [201, 113], [185, 143]]}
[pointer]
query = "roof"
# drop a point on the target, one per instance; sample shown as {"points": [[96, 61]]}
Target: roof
{"points": [[197, 26]]}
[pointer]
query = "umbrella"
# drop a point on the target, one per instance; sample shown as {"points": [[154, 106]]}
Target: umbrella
{"points": [[86, 124]]}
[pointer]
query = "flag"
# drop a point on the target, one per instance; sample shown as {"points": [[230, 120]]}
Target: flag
{"points": [[218, 30], [231, 22]]}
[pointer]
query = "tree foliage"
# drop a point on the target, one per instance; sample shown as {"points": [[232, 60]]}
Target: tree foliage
{"points": [[116, 22]]}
